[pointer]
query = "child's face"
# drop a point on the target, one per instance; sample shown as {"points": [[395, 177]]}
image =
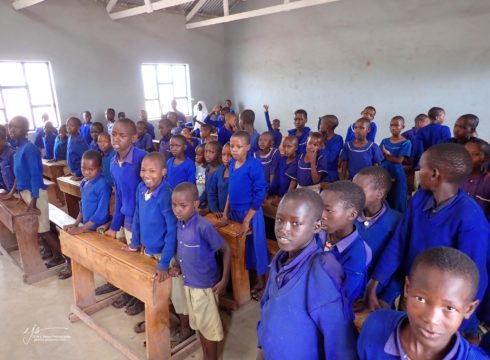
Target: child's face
{"points": [[239, 148], [289, 148], [314, 145], [200, 155], [176, 147], [276, 124], [62, 132], [183, 205], [396, 127], [48, 128], [152, 173], [140, 129], [462, 130], [440, 119], [374, 197], [90, 169], [422, 122], [186, 133], [17, 129], [123, 137], [72, 127], [477, 155], [110, 115], [294, 228], [228, 103], [94, 133], [265, 142], [87, 117], [336, 216], [164, 130], [143, 115], [226, 155], [231, 120], [437, 303], [324, 126], [361, 130], [104, 143], [368, 113], [299, 121], [173, 119], [204, 133], [210, 153]]}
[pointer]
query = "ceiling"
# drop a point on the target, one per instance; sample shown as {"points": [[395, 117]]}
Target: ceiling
{"points": [[210, 7]]}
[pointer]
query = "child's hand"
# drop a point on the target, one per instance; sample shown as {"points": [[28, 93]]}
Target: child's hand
{"points": [[203, 212], [245, 228], [76, 230], [129, 248], [32, 207], [76, 178], [110, 233], [371, 299], [266, 108], [174, 270], [219, 288], [216, 109], [160, 275], [68, 227], [385, 151]]}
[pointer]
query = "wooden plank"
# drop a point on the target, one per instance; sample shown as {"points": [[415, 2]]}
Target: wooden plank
{"points": [[69, 186], [52, 171], [59, 217], [83, 285], [269, 209], [99, 305], [157, 322], [156, 145]]}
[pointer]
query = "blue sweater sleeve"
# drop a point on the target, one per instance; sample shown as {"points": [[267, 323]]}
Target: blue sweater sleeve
{"points": [[377, 154], [117, 217], [350, 134], [135, 226], [371, 136], [170, 246], [102, 212], [191, 173], [34, 166], [259, 185], [268, 121], [213, 202]]}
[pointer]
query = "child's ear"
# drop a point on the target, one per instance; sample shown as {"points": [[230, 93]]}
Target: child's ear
{"points": [[164, 171], [406, 286], [317, 226], [470, 309], [353, 214], [435, 174], [134, 137], [196, 204]]}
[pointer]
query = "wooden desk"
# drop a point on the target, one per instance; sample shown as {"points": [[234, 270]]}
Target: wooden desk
{"points": [[71, 189], [269, 209], [239, 275], [18, 230], [156, 144], [52, 171], [132, 273]]}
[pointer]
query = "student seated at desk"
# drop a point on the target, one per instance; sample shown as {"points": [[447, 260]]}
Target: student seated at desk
{"points": [[440, 290], [96, 129], [304, 313], [28, 171], [94, 204], [7, 177], [197, 244], [75, 148]]}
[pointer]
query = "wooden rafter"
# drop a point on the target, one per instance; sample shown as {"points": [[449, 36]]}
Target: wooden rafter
{"points": [[21, 4], [146, 8]]}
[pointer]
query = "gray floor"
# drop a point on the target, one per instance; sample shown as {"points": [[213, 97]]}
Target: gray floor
{"points": [[34, 324]]}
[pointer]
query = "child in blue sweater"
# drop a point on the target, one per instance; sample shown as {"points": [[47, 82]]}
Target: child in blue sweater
{"points": [[440, 291], [49, 138], [343, 201], [333, 145], [246, 123], [268, 156], [7, 177], [108, 153], [96, 129], [86, 126], [440, 214], [304, 313], [95, 198], [369, 113], [288, 164], [218, 189], [273, 127], [75, 148], [301, 131], [225, 132], [144, 141], [60, 144], [246, 193], [464, 129], [212, 155], [435, 132], [179, 167]]}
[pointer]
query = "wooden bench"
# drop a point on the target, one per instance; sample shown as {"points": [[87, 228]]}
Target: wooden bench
{"points": [[270, 210], [18, 231], [71, 189], [52, 171], [156, 144], [132, 273]]}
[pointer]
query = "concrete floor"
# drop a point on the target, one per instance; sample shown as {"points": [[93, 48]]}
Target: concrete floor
{"points": [[29, 312]]}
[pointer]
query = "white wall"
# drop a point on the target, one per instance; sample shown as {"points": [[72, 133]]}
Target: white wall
{"points": [[96, 61], [400, 56]]}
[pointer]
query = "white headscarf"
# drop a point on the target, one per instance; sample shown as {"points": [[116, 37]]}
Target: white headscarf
{"points": [[200, 114]]}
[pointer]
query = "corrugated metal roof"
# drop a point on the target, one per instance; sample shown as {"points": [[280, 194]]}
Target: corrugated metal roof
{"points": [[210, 8]]}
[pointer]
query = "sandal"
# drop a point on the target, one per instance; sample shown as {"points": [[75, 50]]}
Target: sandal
{"points": [[57, 260], [122, 301], [104, 289], [65, 273], [178, 338], [140, 327], [135, 307], [46, 253]]}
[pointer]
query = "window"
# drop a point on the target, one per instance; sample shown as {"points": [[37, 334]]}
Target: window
{"points": [[162, 83], [26, 88]]}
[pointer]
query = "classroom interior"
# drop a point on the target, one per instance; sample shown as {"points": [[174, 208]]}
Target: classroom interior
{"points": [[402, 57]]}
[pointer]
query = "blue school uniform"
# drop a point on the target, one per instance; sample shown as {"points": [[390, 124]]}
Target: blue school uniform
{"points": [[94, 205], [197, 244], [154, 223], [411, 135], [254, 142], [28, 168], [107, 158], [319, 323], [359, 158], [190, 149], [85, 132], [151, 130], [7, 177], [371, 136], [269, 163], [355, 256], [224, 135], [38, 136], [246, 190], [302, 139], [183, 172], [217, 123], [275, 133], [459, 223], [94, 146], [126, 177], [144, 142], [284, 173], [432, 134], [303, 171], [75, 149], [208, 179], [380, 339], [164, 147], [332, 150], [60, 148], [218, 191], [397, 197], [48, 144]]}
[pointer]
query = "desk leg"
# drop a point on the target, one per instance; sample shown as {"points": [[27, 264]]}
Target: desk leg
{"points": [[83, 285], [55, 173], [72, 205], [158, 322], [7, 239], [27, 239], [239, 274]]}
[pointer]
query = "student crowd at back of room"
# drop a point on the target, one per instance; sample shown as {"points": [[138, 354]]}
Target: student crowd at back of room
{"points": [[352, 234]]}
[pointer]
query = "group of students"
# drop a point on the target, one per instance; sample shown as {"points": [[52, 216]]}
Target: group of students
{"points": [[344, 247]]}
